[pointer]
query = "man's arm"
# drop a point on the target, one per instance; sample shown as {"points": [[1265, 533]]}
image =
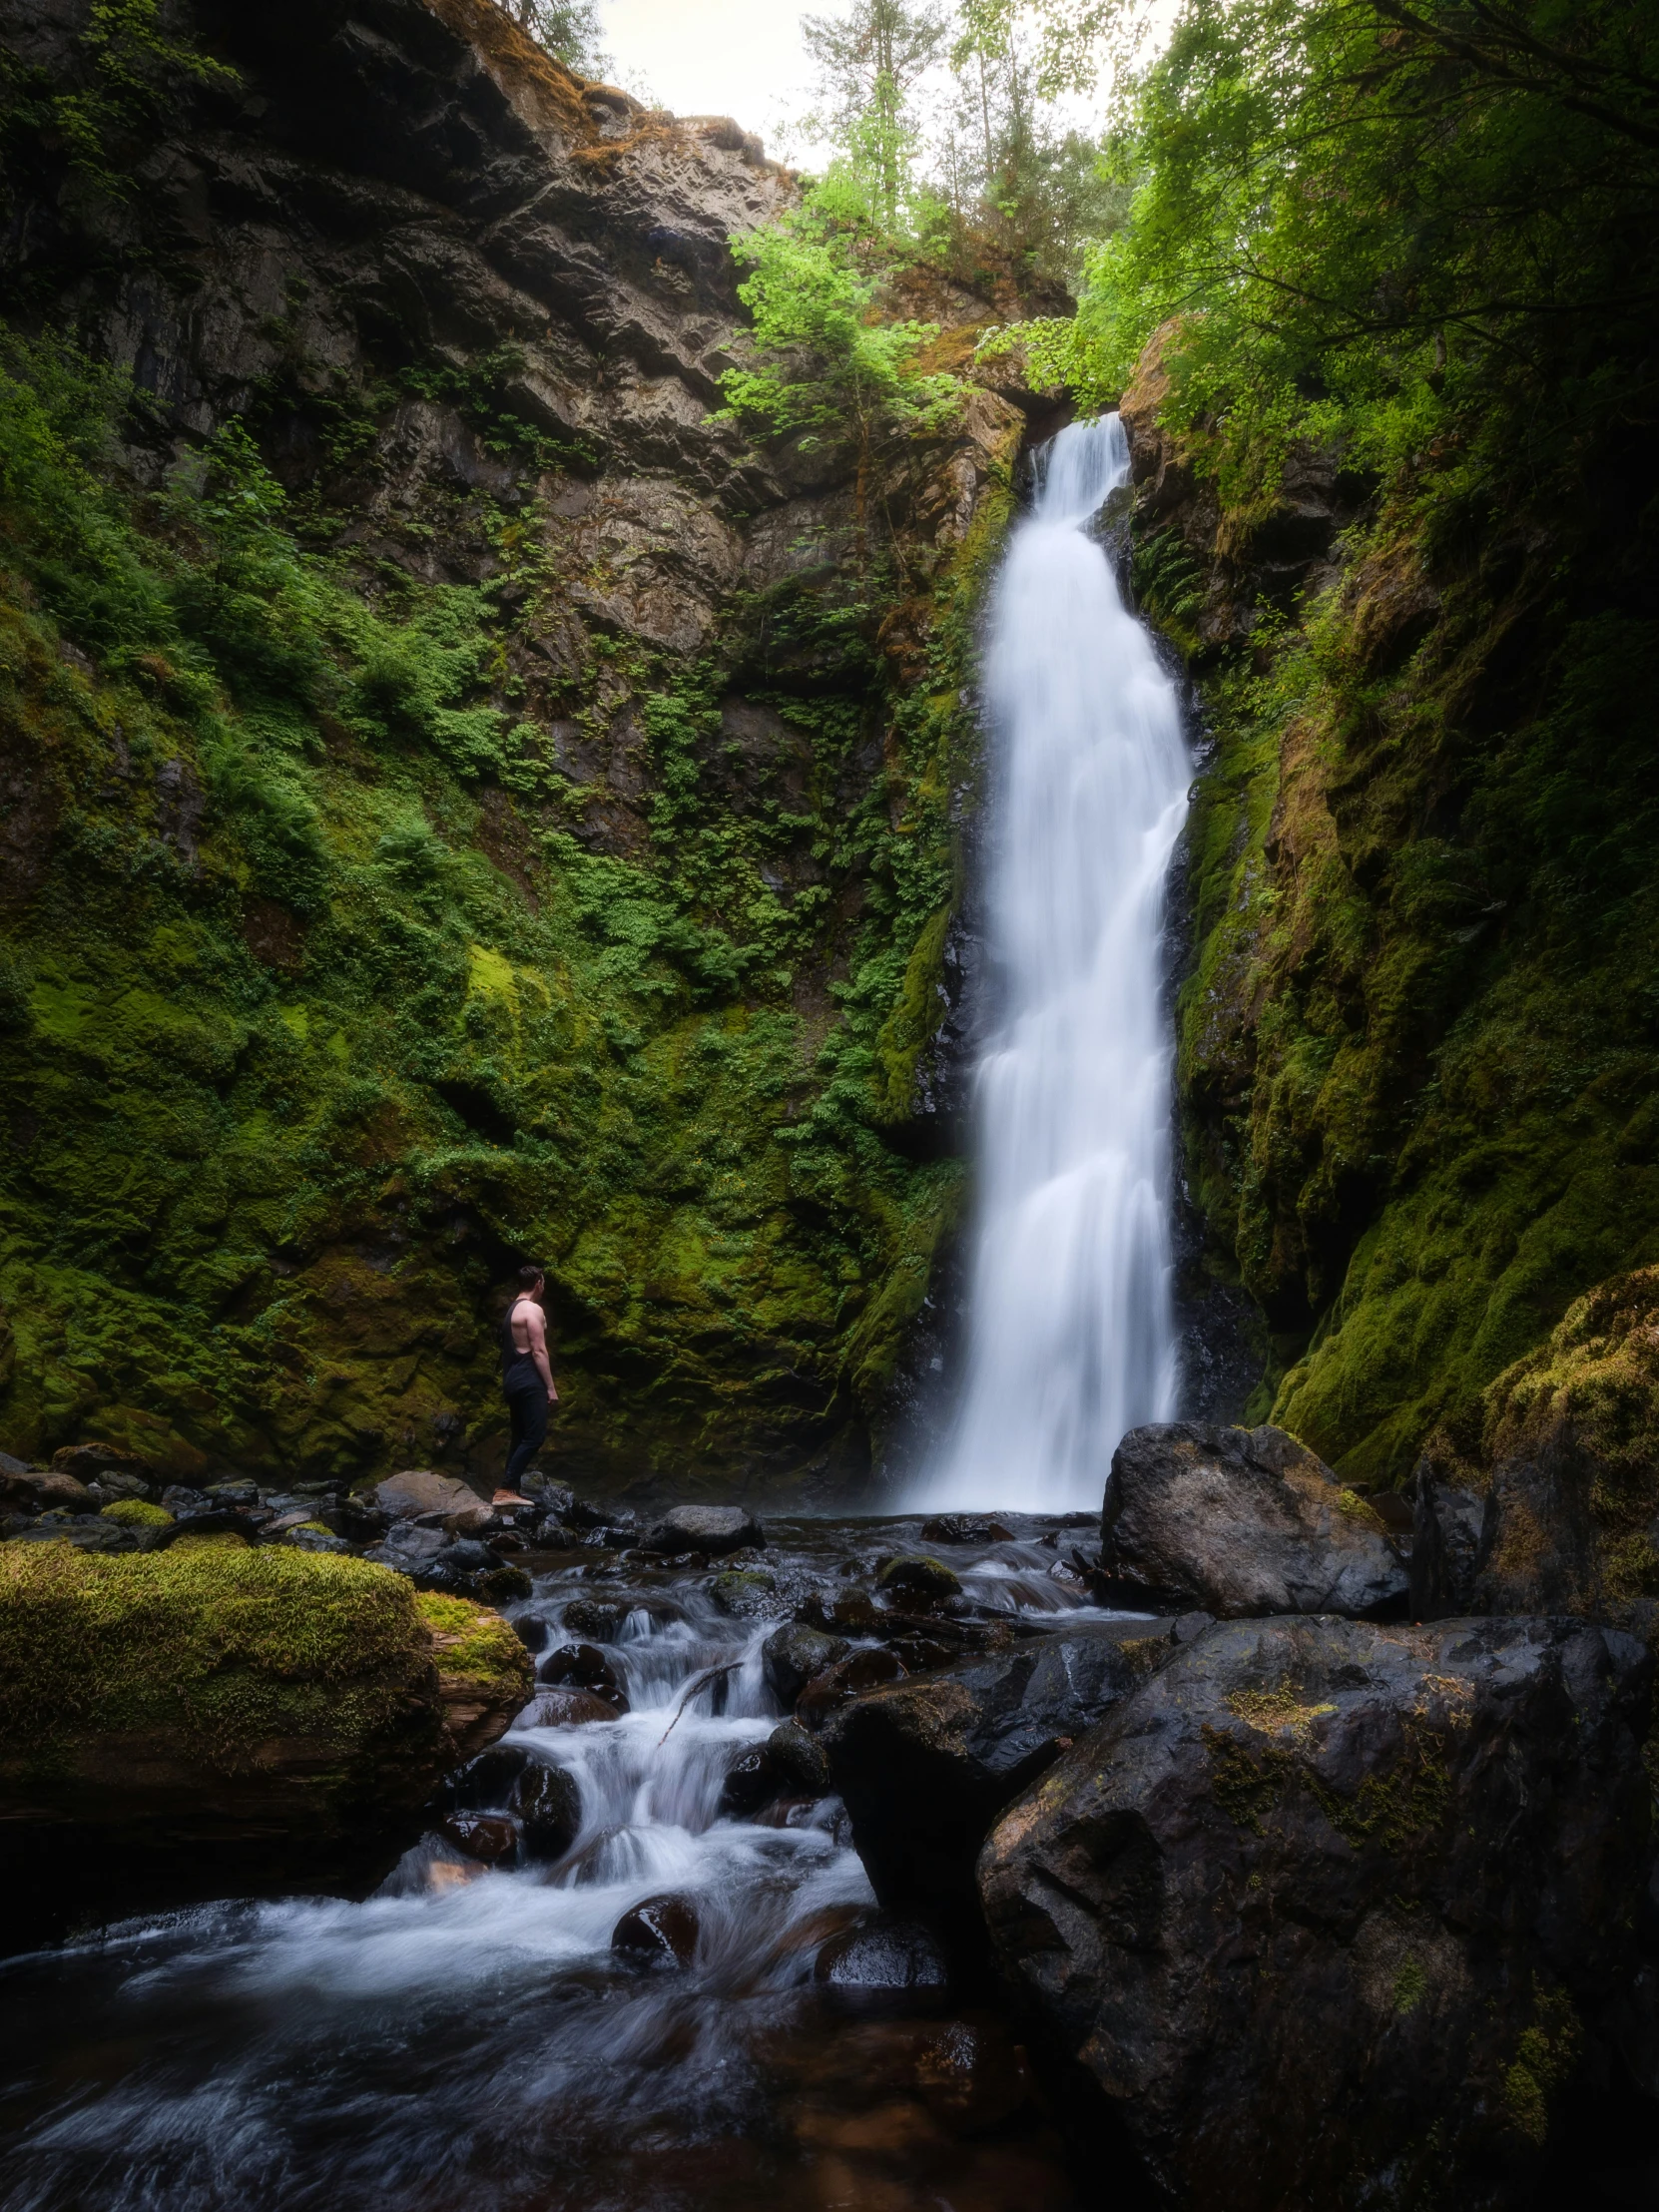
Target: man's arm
{"points": [[536, 1330]]}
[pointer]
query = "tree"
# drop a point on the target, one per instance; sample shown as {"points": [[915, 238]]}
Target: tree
{"points": [[568, 29], [869, 66]]}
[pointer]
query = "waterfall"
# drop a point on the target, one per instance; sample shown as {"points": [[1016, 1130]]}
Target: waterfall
{"points": [[1071, 1337]]}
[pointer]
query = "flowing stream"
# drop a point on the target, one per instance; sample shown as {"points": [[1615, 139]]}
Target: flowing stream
{"points": [[1071, 1335], [467, 2037]]}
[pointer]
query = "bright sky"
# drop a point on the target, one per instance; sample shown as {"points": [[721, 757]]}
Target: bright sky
{"points": [[742, 58]]}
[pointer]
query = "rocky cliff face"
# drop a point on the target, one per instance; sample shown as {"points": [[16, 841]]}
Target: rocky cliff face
{"points": [[1416, 1055], [523, 826]]}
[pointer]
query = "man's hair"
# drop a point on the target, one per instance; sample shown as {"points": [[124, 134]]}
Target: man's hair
{"points": [[529, 1276]]}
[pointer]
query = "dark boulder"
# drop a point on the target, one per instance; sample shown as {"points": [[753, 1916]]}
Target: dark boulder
{"points": [[532, 1632], [712, 1531], [1242, 1521], [926, 1765], [583, 1667], [919, 1580], [794, 1654], [548, 1807], [845, 1613], [886, 1963], [964, 1528], [599, 1619], [1324, 1908], [744, 1593], [1446, 1547], [800, 1758], [661, 1931], [569, 1709], [490, 1837], [847, 1678]]}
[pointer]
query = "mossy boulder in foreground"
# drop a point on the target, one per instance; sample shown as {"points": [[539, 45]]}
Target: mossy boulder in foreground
{"points": [[1561, 1514], [1338, 1915], [283, 1712]]}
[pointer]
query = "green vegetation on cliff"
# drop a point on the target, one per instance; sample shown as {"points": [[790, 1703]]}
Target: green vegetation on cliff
{"points": [[318, 1014], [1399, 511]]}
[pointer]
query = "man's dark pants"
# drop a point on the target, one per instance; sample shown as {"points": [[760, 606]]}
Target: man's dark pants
{"points": [[528, 1411]]}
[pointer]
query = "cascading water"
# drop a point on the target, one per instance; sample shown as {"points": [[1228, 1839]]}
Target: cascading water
{"points": [[1071, 1335]]}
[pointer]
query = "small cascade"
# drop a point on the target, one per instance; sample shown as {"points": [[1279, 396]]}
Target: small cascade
{"points": [[1071, 1338]]}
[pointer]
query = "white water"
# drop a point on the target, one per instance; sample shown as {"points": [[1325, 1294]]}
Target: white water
{"points": [[1071, 1334]]}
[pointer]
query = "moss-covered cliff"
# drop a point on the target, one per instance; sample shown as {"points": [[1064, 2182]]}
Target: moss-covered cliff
{"points": [[461, 800], [1419, 1040]]}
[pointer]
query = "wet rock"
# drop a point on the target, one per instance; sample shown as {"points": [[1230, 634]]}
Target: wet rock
{"points": [[1325, 1907], [569, 1709], [924, 1767], [753, 1780], [182, 1498], [919, 1580], [532, 1632], [800, 1758], [84, 1531], [964, 1528], [712, 1531], [486, 1784], [847, 1678], [847, 1613], [504, 1585], [583, 1667], [310, 1537], [1188, 1627], [490, 1837], [421, 1490], [972, 2077], [794, 1654], [598, 1618], [59, 1489], [1446, 1548], [1242, 1521], [103, 1464], [662, 1931], [548, 1805], [743, 1595], [887, 1961]]}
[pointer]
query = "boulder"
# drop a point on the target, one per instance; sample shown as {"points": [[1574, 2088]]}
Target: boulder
{"points": [[794, 1654], [1570, 1466], [964, 1528], [661, 1931], [420, 1490], [744, 1593], [889, 1962], [1240, 1522], [1325, 1907], [569, 1709], [59, 1489], [490, 1837], [583, 1667], [97, 1462], [926, 1765], [919, 1580], [548, 1805], [712, 1530], [276, 1714], [1447, 1529]]}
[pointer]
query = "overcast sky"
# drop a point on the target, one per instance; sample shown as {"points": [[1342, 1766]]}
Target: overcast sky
{"points": [[742, 58]]}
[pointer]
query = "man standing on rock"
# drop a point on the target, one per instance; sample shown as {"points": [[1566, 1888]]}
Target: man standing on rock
{"points": [[526, 1376]]}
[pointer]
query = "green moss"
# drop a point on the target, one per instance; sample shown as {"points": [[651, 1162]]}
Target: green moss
{"points": [[137, 1512], [1250, 1776], [1544, 2059], [475, 1644], [221, 1652], [294, 1083], [1411, 1987]]}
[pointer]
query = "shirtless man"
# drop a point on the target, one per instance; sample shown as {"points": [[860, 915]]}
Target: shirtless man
{"points": [[526, 1376]]}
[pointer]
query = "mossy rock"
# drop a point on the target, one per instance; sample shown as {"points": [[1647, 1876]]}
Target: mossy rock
{"points": [[137, 1512], [230, 1692], [1571, 1439]]}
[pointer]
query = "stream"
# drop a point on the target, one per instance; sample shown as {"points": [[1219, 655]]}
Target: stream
{"points": [[468, 2036]]}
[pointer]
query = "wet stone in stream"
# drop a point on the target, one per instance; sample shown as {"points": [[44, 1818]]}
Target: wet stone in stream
{"points": [[483, 2033]]}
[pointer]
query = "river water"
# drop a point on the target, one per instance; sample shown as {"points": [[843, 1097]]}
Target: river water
{"points": [[1071, 1331], [467, 2038]]}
